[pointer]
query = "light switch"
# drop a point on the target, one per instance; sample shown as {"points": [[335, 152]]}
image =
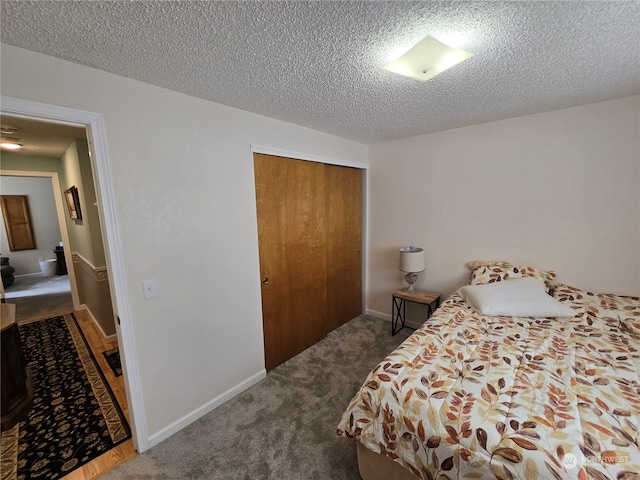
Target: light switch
{"points": [[149, 289]]}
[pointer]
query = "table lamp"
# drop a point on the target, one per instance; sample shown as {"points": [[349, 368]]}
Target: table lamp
{"points": [[411, 262]]}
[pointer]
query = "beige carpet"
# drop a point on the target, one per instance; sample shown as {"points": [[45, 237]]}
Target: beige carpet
{"points": [[37, 297], [282, 428]]}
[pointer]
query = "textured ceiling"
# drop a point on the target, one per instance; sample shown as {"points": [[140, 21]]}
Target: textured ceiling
{"points": [[320, 64]]}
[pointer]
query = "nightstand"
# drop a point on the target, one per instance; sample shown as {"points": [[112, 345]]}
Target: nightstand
{"points": [[399, 306]]}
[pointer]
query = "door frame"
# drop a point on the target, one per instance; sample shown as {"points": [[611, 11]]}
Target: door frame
{"points": [[278, 152], [343, 163], [64, 233], [98, 152]]}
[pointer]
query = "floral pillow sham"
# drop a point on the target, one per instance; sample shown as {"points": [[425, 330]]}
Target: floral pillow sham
{"points": [[484, 272], [609, 312]]}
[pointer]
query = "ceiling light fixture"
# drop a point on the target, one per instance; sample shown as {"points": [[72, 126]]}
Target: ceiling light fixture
{"points": [[427, 59], [8, 129], [10, 144]]}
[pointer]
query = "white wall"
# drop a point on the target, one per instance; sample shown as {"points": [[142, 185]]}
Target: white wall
{"points": [[557, 190], [44, 222], [182, 171]]}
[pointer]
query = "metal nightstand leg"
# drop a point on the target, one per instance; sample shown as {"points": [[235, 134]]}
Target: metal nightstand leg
{"points": [[398, 313]]}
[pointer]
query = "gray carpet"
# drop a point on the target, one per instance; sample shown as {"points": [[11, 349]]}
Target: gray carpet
{"points": [[37, 297], [283, 427]]}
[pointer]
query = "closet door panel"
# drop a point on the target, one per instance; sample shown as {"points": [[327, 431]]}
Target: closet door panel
{"points": [[290, 196], [344, 243]]}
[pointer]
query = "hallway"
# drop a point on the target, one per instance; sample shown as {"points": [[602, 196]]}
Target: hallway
{"points": [[37, 297]]}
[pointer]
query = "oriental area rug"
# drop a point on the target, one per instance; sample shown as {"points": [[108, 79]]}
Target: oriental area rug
{"points": [[113, 359], [75, 416]]}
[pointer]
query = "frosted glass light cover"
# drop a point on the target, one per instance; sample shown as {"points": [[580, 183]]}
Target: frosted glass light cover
{"points": [[427, 59], [411, 259]]}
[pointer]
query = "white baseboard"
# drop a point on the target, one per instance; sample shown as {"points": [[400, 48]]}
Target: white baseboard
{"points": [[107, 338], [374, 313], [204, 409], [111, 338], [387, 317]]}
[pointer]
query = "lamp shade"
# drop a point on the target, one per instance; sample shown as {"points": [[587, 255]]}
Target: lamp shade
{"points": [[411, 259]]}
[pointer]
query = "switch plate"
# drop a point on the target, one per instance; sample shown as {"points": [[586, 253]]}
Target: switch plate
{"points": [[149, 289]]}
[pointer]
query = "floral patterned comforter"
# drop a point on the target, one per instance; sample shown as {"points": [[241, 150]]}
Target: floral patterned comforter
{"points": [[471, 396]]}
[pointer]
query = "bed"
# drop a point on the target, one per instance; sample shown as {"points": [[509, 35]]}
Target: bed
{"points": [[476, 395]]}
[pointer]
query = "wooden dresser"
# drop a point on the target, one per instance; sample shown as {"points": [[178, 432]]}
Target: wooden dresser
{"points": [[17, 390]]}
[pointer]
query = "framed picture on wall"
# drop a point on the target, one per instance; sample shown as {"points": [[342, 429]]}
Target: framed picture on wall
{"points": [[73, 203]]}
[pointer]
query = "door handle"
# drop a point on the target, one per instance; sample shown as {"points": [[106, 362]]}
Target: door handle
{"points": [[265, 280]]}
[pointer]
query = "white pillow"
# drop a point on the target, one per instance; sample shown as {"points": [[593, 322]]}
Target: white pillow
{"points": [[520, 297]]}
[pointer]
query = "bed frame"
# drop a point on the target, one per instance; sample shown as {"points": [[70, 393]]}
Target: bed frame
{"points": [[373, 466]]}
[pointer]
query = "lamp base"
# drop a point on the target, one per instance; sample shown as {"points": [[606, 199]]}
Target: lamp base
{"points": [[410, 278]]}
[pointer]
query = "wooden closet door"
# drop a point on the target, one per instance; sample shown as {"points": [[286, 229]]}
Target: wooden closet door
{"points": [[15, 212], [344, 243], [290, 200]]}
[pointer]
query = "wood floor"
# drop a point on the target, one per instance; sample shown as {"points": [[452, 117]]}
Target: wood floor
{"points": [[125, 450]]}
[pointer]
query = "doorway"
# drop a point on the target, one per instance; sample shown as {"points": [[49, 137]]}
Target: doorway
{"points": [[60, 154], [39, 284], [44, 295], [95, 130]]}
